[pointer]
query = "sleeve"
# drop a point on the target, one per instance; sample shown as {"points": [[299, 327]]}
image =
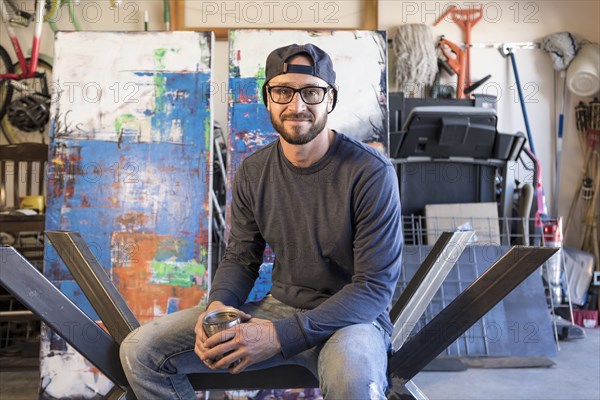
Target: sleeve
{"points": [[377, 258], [243, 257]]}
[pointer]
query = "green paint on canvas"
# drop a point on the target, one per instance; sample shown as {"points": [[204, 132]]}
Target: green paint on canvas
{"points": [[159, 55], [176, 273], [159, 79], [123, 121], [260, 79], [207, 129]]}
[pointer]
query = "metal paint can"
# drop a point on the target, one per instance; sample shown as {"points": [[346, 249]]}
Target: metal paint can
{"points": [[221, 319]]}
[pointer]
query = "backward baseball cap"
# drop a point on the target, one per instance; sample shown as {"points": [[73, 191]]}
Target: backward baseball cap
{"points": [[322, 66]]}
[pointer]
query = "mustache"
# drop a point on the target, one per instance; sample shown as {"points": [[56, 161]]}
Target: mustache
{"points": [[297, 116]]}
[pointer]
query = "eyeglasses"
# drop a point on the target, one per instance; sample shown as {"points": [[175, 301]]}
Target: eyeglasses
{"points": [[311, 95]]}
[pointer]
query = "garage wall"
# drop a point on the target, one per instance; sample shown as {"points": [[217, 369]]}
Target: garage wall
{"points": [[503, 21]]}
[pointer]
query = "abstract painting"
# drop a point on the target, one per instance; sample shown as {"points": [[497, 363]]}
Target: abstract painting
{"points": [[131, 141], [360, 61]]}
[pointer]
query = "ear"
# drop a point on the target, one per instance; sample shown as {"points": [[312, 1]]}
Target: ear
{"points": [[330, 100], [265, 97]]}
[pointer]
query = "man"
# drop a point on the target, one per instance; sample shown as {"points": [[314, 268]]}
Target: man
{"points": [[328, 207]]}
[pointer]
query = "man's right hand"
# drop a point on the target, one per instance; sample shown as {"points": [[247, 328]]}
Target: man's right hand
{"points": [[200, 347]]}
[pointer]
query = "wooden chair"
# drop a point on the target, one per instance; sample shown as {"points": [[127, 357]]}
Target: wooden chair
{"points": [[25, 163], [22, 173], [410, 356]]}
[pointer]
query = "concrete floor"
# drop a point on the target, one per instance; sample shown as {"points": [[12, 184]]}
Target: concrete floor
{"points": [[576, 376]]}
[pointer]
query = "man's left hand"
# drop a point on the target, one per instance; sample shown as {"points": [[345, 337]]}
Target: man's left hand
{"points": [[249, 342]]}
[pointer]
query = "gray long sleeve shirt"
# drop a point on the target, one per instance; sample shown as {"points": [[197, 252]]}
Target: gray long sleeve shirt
{"points": [[335, 229]]}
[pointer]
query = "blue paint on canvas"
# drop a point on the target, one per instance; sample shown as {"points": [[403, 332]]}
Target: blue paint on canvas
{"points": [[263, 284], [182, 91]]}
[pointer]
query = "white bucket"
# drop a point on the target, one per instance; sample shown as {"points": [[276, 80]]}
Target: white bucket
{"points": [[583, 75]]}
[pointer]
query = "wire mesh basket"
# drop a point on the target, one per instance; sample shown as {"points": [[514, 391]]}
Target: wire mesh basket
{"points": [[507, 231], [520, 325]]}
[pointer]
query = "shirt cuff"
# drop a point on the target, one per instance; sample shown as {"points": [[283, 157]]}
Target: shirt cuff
{"points": [[291, 336], [224, 296]]}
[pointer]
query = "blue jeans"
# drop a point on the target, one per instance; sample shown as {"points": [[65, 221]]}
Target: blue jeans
{"points": [[156, 357]]}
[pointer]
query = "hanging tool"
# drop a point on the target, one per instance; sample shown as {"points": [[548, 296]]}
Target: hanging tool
{"points": [[587, 118], [589, 238], [525, 202], [456, 60], [466, 20], [562, 79], [439, 91], [507, 51], [582, 122], [561, 47], [552, 237], [542, 208], [416, 63], [587, 121]]}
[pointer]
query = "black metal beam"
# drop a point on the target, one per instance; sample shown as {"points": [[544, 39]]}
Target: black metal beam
{"points": [[280, 377], [95, 283], [40, 296], [466, 309]]}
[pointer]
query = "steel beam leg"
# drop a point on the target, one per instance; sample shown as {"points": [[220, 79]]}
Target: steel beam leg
{"points": [[425, 283], [95, 283], [468, 307], [39, 295]]}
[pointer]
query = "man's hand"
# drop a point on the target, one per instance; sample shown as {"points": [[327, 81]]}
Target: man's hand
{"points": [[250, 343], [239, 347], [200, 347]]}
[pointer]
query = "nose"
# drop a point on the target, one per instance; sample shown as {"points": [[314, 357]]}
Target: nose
{"points": [[297, 103]]}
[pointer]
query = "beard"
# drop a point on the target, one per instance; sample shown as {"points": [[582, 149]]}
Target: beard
{"points": [[293, 134]]}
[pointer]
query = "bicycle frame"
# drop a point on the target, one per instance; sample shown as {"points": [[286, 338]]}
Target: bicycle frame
{"points": [[50, 18], [28, 69]]}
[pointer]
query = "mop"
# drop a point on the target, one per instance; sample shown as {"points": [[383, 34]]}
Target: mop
{"points": [[416, 60], [561, 47]]}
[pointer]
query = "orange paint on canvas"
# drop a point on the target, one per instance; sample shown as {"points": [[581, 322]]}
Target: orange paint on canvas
{"points": [[132, 258]]}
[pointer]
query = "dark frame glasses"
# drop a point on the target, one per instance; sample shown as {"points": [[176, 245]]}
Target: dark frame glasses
{"points": [[310, 95]]}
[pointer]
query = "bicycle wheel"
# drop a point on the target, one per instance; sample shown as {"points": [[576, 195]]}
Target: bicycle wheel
{"points": [[28, 113], [6, 67]]}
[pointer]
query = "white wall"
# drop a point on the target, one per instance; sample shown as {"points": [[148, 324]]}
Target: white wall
{"points": [[503, 21]]}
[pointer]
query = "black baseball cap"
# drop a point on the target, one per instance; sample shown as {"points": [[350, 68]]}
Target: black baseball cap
{"points": [[322, 66]]}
